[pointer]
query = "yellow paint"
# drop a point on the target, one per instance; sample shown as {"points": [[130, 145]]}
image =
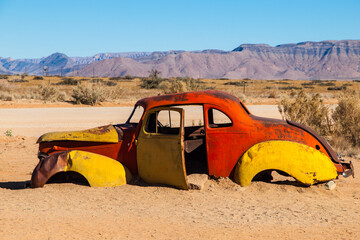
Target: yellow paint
{"points": [[99, 171], [304, 163], [160, 157], [99, 134]]}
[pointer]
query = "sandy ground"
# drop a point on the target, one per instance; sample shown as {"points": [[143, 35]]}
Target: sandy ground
{"points": [[277, 210]]}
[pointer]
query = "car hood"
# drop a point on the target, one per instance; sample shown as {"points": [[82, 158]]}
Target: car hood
{"points": [[108, 134]]}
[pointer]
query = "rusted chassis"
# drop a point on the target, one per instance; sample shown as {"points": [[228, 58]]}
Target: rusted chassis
{"points": [[224, 146]]}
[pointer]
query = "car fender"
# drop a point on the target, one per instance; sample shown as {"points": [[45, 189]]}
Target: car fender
{"points": [[306, 164], [105, 134], [99, 171]]}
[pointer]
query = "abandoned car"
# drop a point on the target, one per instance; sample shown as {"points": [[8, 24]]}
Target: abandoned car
{"points": [[168, 137]]}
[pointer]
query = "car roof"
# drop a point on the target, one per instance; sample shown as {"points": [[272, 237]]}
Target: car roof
{"points": [[215, 97]]}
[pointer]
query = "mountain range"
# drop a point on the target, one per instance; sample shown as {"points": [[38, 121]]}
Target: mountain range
{"points": [[304, 60]]}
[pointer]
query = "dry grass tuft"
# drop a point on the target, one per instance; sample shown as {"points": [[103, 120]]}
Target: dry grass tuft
{"points": [[308, 110], [347, 118], [342, 125], [88, 95], [180, 84]]}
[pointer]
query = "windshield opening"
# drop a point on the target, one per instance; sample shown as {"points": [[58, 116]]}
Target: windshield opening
{"points": [[136, 115]]}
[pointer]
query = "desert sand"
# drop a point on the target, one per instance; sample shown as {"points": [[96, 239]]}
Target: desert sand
{"points": [[223, 210]]}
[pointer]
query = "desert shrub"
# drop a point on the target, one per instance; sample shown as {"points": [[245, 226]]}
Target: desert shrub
{"points": [[18, 81], [238, 84], [114, 93], [282, 82], [48, 93], [336, 88], [326, 84], [38, 78], [346, 118], [182, 84], [2, 76], [89, 95], [115, 78], [5, 86], [128, 77], [223, 78], [356, 80], [268, 87], [8, 133], [173, 86], [194, 84], [316, 81], [6, 97], [68, 81], [307, 110], [110, 83], [343, 145], [290, 88], [272, 94], [153, 81], [97, 80], [246, 79], [309, 87], [308, 83]]}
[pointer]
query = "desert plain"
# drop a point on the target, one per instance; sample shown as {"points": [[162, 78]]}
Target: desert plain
{"points": [[281, 209]]}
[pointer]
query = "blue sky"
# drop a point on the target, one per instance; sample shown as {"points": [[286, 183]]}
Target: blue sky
{"points": [[33, 29]]}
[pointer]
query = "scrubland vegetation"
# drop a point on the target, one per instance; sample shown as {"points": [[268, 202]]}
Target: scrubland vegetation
{"points": [[339, 124], [129, 89], [330, 107]]}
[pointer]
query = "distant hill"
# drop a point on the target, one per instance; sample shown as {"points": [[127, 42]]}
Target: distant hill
{"points": [[305, 60]]}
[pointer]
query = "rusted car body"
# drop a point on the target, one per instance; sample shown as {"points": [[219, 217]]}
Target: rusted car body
{"points": [[237, 144]]}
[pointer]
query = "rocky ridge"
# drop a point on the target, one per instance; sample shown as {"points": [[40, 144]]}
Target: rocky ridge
{"points": [[305, 60]]}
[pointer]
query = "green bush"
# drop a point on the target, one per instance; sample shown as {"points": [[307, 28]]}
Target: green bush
{"points": [[8, 133]]}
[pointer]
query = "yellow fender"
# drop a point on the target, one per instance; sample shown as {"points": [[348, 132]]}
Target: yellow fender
{"points": [[306, 164], [99, 171]]}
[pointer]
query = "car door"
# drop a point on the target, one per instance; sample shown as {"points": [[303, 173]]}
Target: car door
{"points": [[160, 147]]}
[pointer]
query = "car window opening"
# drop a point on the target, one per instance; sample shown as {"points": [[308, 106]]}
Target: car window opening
{"points": [[136, 115], [168, 122], [218, 119]]}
